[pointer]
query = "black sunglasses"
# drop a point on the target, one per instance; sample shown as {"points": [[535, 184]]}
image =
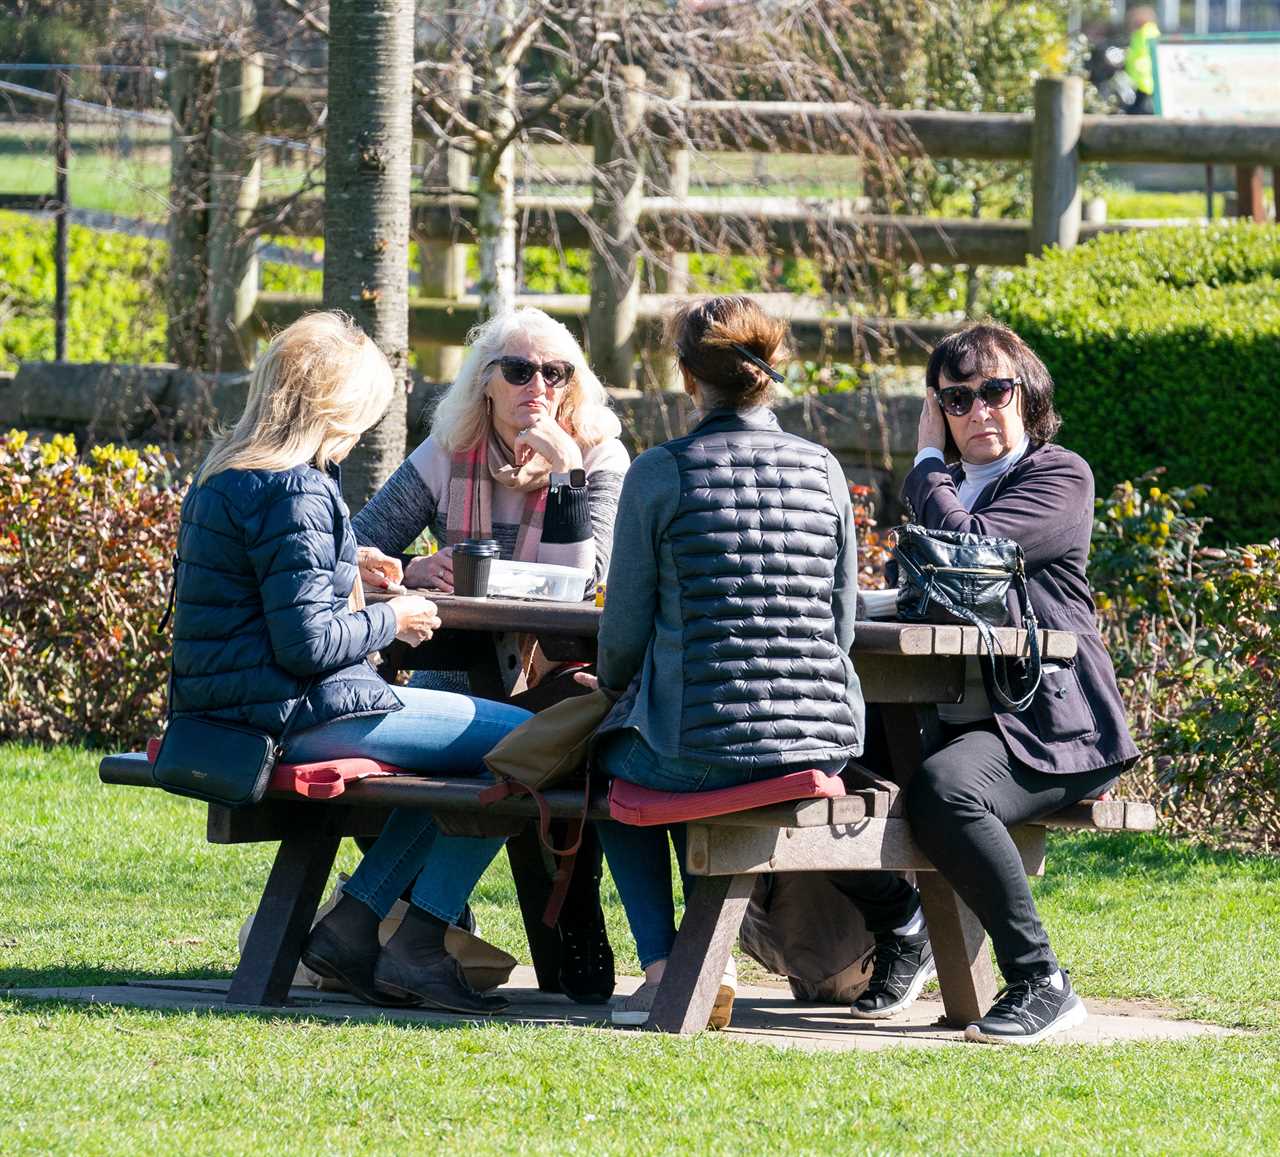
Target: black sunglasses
{"points": [[520, 371], [994, 392]]}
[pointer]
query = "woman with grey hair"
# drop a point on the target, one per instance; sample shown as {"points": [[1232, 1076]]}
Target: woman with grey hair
{"points": [[523, 449]]}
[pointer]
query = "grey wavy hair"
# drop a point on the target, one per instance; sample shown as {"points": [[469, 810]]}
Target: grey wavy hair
{"points": [[461, 416]]}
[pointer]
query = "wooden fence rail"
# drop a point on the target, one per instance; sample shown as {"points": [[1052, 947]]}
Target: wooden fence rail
{"points": [[616, 220], [814, 128]]}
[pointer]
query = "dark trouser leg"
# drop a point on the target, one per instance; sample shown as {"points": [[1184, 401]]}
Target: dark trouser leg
{"points": [[885, 899], [961, 804]]}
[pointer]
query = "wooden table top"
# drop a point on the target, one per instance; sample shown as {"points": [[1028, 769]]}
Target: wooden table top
{"points": [[582, 620]]}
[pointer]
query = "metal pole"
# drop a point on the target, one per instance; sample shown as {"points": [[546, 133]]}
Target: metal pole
{"points": [[61, 149]]}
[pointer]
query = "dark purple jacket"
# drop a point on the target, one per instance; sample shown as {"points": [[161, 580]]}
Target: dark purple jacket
{"points": [[1045, 504]]}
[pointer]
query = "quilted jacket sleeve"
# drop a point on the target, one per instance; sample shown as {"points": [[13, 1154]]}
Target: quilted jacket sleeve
{"points": [[293, 546]]}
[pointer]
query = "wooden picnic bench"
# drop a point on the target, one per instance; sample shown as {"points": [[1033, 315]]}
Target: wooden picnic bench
{"points": [[906, 669]]}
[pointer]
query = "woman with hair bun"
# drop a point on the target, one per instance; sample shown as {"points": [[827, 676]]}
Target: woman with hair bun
{"points": [[730, 614]]}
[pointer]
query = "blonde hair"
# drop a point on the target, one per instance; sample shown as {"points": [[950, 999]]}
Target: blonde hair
{"points": [[461, 416], [317, 387]]}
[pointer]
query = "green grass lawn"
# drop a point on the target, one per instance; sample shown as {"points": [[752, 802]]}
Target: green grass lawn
{"points": [[100, 884]]}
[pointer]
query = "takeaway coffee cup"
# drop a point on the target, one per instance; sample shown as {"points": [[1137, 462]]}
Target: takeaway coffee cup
{"points": [[472, 560]]}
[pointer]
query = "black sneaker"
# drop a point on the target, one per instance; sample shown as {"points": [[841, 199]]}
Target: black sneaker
{"points": [[1029, 1011], [903, 966]]}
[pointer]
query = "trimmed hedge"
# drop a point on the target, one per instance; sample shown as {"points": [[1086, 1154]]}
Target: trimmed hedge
{"points": [[1165, 349]]}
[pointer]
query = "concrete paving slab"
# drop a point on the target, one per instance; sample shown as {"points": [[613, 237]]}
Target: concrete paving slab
{"points": [[764, 1014]]}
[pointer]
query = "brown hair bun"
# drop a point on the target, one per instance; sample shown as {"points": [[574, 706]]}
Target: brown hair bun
{"points": [[731, 346]]}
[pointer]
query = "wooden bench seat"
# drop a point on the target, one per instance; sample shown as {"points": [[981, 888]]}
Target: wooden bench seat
{"points": [[861, 831]]}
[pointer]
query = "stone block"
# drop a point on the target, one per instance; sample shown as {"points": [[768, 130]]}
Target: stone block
{"points": [[103, 401]]}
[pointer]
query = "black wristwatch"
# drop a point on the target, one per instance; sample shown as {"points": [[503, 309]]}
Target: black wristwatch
{"points": [[575, 478]]}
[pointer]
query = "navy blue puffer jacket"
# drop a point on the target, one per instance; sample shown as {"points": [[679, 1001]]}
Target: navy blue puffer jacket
{"points": [[267, 561]]}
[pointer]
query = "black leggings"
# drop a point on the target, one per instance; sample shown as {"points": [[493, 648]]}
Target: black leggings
{"points": [[960, 805]]}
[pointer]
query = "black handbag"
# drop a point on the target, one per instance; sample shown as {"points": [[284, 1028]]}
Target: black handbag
{"points": [[218, 762], [948, 576]]}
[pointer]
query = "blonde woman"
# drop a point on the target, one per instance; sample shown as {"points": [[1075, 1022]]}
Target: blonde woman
{"points": [[262, 629], [523, 449]]}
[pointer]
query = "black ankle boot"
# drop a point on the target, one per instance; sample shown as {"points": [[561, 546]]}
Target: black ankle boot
{"points": [[414, 965], [344, 947], [586, 958]]}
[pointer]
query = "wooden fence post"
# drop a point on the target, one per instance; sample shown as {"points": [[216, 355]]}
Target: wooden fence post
{"points": [[189, 83], [1055, 163], [674, 277], [234, 184], [1249, 203], [617, 187], [442, 265]]}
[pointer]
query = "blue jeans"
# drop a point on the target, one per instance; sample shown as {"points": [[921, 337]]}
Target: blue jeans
{"points": [[436, 732]]}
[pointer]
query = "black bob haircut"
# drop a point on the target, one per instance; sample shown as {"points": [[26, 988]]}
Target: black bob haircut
{"points": [[976, 350]]}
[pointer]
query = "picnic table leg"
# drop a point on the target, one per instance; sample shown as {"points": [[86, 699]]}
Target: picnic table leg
{"points": [[712, 916], [965, 975], [283, 920], [533, 887]]}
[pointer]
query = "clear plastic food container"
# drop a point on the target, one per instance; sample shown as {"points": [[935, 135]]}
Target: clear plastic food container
{"points": [[537, 580]]}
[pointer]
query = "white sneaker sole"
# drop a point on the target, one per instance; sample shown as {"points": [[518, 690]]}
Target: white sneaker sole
{"points": [[1073, 1015], [626, 1017], [913, 991]]}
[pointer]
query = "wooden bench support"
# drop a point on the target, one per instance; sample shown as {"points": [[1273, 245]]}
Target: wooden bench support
{"points": [[283, 920], [965, 974], [712, 916], [866, 846]]}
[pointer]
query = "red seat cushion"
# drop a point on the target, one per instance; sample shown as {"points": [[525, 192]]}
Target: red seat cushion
{"points": [[323, 780], [643, 806]]}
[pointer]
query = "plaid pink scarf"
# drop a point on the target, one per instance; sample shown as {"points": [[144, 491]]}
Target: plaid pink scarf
{"points": [[470, 514]]}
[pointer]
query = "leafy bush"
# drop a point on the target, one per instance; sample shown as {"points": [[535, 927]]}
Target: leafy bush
{"points": [[85, 549], [1193, 631], [114, 310], [1165, 347]]}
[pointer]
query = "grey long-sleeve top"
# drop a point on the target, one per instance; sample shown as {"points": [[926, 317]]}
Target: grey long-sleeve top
{"points": [[577, 528]]}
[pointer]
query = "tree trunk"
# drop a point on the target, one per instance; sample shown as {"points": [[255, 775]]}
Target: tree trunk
{"points": [[496, 173], [366, 230]]}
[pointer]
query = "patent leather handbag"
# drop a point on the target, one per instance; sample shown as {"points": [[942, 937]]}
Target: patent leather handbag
{"points": [[949, 576]]}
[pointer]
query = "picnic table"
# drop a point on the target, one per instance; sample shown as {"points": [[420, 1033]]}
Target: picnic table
{"points": [[906, 669]]}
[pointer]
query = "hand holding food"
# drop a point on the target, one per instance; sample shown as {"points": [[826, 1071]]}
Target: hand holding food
{"points": [[416, 619]]}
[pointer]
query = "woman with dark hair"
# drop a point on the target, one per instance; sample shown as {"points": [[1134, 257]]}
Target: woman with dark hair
{"points": [[730, 613], [987, 465]]}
